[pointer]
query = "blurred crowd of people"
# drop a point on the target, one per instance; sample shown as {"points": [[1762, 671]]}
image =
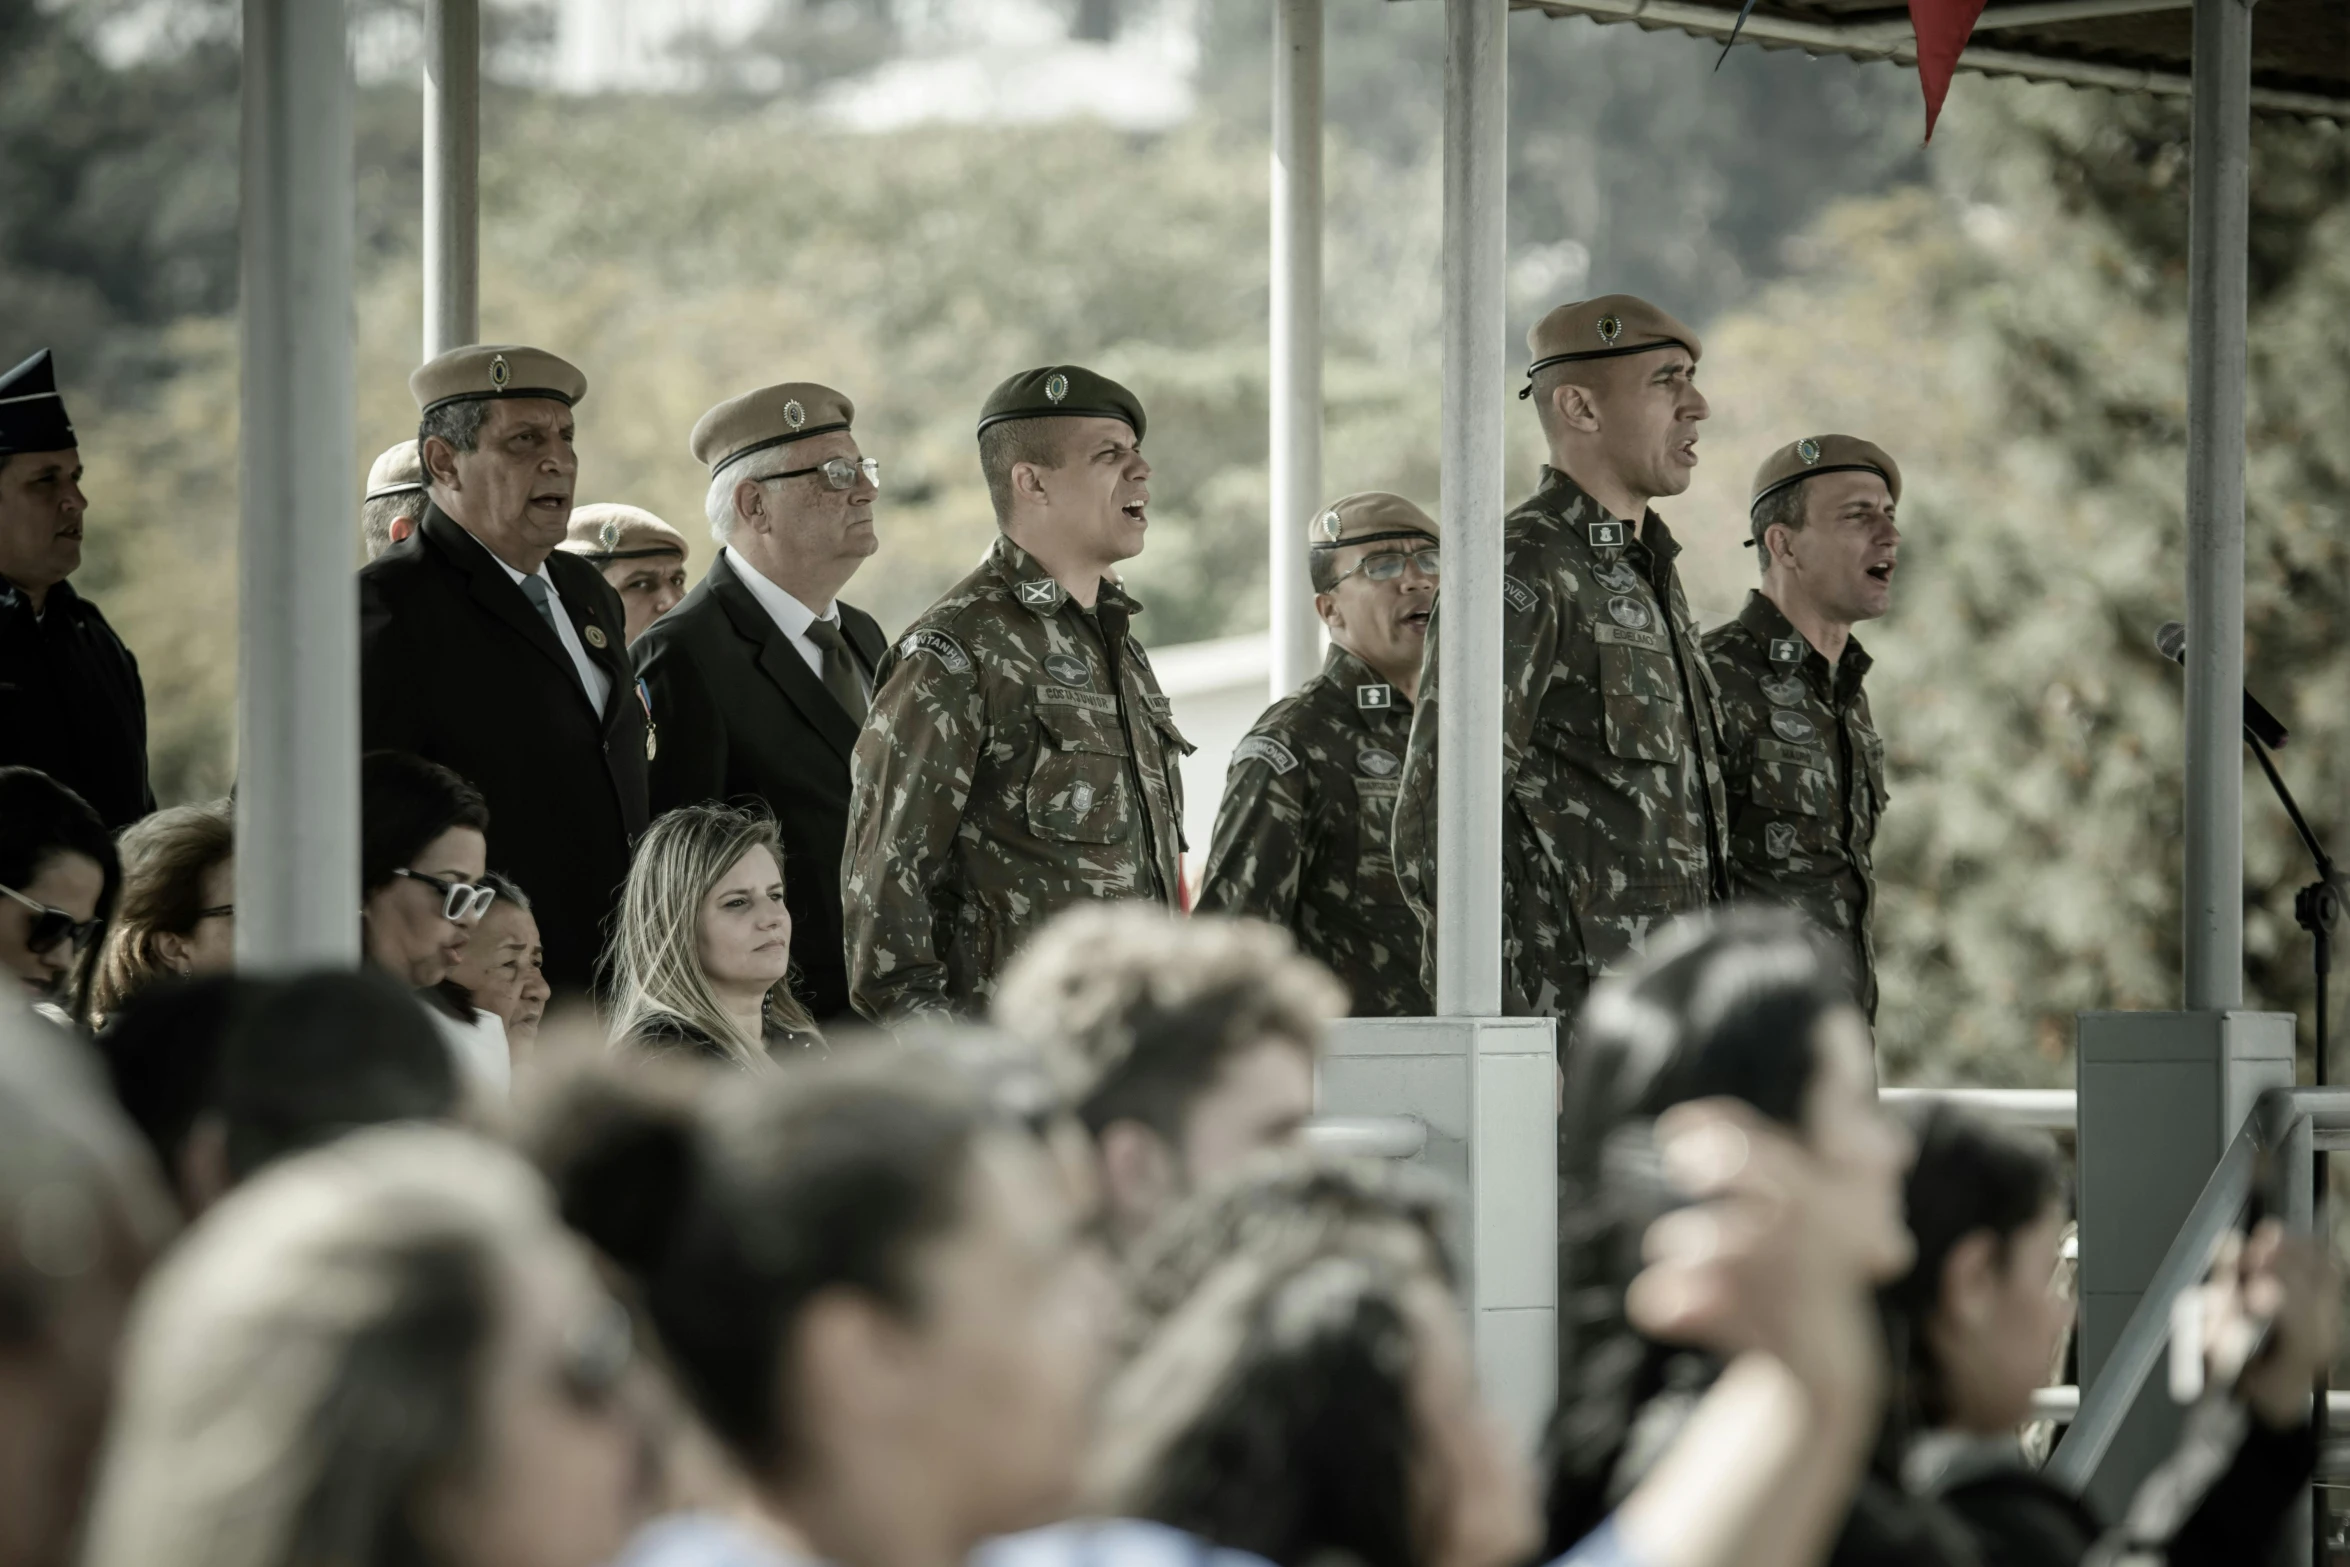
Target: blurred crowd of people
{"points": [[289, 1277]]}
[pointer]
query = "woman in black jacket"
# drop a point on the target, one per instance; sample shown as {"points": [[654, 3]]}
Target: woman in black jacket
{"points": [[1982, 1324]]}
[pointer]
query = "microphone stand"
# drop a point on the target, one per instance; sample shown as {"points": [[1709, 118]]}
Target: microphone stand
{"points": [[2315, 908]]}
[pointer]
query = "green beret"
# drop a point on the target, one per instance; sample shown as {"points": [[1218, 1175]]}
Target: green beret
{"points": [[1368, 516], [1608, 327], [490, 372], [771, 416], [1061, 392], [1818, 454]]}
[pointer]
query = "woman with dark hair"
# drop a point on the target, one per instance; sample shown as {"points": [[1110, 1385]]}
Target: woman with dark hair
{"points": [[1752, 1006], [1982, 1321], [423, 854], [872, 1286], [386, 1354], [58, 881], [178, 909], [700, 961]]}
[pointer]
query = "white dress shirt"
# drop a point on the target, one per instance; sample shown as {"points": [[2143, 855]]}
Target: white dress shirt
{"points": [[792, 617], [598, 684]]}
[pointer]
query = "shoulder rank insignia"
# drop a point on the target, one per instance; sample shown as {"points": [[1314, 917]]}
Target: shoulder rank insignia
{"points": [[1265, 749], [1376, 695], [939, 646], [1040, 593], [1607, 535], [1786, 650], [1519, 596]]}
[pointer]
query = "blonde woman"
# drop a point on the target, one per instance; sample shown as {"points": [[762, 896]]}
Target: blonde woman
{"points": [[700, 962], [177, 913]]}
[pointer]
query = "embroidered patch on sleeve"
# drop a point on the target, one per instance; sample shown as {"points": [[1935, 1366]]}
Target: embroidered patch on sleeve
{"points": [[939, 646], [1520, 596], [1265, 749]]}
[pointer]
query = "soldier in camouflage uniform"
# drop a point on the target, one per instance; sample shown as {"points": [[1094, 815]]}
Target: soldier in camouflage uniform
{"points": [[1612, 779], [1019, 756], [1302, 839], [1806, 769]]}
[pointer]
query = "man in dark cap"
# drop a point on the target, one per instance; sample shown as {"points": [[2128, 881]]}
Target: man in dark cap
{"points": [[1302, 838], [1020, 757], [485, 648], [761, 679], [71, 702], [1615, 813], [1806, 769]]}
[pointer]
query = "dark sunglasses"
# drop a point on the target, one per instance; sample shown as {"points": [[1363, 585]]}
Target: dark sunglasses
{"points": [[460, 900], [51, 926]]}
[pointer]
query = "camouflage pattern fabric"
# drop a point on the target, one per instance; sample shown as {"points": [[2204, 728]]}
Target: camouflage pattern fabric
{"points": [[1019, 758], [1302, 839], [1806, 776], [1611, 768]]}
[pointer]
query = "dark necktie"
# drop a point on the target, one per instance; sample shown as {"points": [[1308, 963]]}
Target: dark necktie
{"points": [[840, 668]]}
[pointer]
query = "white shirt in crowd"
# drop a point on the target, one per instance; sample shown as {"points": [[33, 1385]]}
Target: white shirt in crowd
{"points": [[598, 684], [791, 617]]}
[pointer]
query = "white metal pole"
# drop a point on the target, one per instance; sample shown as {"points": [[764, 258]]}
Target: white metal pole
{"points": [[452, 174], [2218, 225], [1296, 443], [297, 890], [1468, 733]]}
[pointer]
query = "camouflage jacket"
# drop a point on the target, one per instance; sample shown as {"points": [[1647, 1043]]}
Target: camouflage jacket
{"points": [[1002, 776], [1611, 765], [1807, 776], [1302, 839]]}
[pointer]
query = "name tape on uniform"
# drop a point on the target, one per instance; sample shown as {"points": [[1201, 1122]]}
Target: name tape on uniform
{"points": [[1791, 755], [1647, 641], [1070, 696]]}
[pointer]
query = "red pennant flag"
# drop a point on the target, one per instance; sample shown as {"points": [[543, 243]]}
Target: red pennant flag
{"points": [[1942, 28]]}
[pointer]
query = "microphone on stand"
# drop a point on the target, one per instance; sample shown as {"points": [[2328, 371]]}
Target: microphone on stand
{"points": [[2259, 722]]}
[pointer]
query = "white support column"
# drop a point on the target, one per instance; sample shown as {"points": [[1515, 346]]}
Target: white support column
{"points": [[2218, 222], [1468, 734], [452, 174], [1296, 391], [297, 890]]}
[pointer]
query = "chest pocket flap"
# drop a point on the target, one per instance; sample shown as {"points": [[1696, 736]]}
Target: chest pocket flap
{"points": [[1639, 693], [1077, 787]]}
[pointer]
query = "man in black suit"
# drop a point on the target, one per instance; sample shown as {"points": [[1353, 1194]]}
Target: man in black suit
{"points": [[759, 681], [484, 648]]}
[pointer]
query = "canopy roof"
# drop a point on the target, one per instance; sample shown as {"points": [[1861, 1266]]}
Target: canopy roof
{"points": [[2300, 48]]}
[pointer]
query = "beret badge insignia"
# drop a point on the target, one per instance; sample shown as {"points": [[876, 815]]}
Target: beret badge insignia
{"points": [[609, 534], [500, 372], [1808, 450], [793, 414], [1056, 387], [1610, 328], [1330, 527]]}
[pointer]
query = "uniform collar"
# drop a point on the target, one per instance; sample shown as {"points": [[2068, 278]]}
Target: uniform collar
{"points": [[1362, 687], [1036, 589], [1559, 492], [1770, 626]]}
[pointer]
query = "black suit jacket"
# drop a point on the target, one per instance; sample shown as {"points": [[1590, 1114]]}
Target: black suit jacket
{"points": [[455, 665], [738, 714], [71, 703]]}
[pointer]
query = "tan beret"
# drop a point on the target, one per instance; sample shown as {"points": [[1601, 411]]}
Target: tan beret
{"points": [[396, 472], [1366, 517], [1604, 328], [1818, 454], [608, 531], [770, 416], [482, 372]]}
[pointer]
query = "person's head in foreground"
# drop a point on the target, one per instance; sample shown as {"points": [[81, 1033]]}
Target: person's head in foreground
{"points": [[701, 957], [1752, 1006], [639, 554], [501, 965], [225, 1074], [1613, 381], [80, 1215], [177, 914], [423, 849], [869, 1280], [383, 1353], [1198, 1036], [59, 878]]}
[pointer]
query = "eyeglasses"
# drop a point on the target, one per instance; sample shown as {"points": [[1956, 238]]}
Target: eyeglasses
{"points": [[596, 1356], [1388, 565], [461, 901], [51, 926], [840, 473]]}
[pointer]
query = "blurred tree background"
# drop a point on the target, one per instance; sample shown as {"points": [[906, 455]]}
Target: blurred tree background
{"points": [[2004, 311]]}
